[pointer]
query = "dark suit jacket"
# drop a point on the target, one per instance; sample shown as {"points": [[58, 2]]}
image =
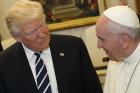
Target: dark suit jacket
{"points": [[0, 47], [74, 71]]}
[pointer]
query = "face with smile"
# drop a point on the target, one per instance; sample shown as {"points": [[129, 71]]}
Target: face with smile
{"points": [[34, 35], [109, 41]]}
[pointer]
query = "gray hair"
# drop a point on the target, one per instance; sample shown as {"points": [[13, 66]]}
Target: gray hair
{"points": [[21, 12], [134, 33]]}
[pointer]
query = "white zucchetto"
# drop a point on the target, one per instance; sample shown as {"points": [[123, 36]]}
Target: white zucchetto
{"points": [[122, 15]]}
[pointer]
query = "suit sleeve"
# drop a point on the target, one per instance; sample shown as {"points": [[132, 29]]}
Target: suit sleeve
{"points": [[1, 89], [91, 80]]}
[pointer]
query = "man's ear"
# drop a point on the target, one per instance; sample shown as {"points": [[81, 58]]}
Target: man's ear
{"points": [[18, 39], [125, 40]]}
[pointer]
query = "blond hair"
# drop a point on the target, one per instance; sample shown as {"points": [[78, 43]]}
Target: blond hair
{"points": [[23, 11]]}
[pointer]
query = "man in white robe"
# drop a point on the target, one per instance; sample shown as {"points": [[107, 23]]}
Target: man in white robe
{"points": [[118, 33]]}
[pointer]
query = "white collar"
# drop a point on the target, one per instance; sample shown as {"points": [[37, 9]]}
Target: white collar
{"points": [[134, 57], [29, 53]]}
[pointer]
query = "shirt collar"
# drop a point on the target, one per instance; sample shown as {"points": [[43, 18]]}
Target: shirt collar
{"points": [[134, 57], [29, 53], [46, 52]]}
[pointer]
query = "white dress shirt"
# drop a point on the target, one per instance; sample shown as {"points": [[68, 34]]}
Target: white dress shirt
{"points": [[47, 58], [124, 77]]}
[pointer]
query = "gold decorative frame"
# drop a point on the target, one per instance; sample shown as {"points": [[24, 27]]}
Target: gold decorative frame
{"points": [[72, 23], [76, 22]]}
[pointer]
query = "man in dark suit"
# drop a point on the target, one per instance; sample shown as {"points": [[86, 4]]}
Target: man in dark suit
{"points": [[69, 68]]}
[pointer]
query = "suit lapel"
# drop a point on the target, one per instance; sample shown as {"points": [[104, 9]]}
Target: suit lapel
{"points": [[58, 57], [23, 71]]}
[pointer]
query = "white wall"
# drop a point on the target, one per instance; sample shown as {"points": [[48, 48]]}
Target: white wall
{"points": [[4, 6]]}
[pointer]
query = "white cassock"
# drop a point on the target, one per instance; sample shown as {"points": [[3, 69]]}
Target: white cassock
{"points": [[124, 77]]}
